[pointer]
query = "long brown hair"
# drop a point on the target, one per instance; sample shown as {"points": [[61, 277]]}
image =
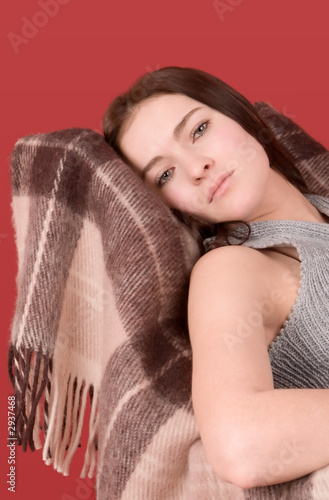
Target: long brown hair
{"points": [[216, 94]]}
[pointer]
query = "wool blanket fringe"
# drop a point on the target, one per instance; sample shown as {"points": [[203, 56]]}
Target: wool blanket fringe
{"points": [[62, 408], [100, 329]]}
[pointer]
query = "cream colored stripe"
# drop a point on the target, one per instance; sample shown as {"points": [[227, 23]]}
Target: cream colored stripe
{"points": [[160, 473], [314, 170], [41, 247], [20, 209], [320, 484], [129, 394], [123, 401], [135, 217]]}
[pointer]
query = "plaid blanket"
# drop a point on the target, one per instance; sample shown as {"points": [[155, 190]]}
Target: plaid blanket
{"points": [[99, 335]]}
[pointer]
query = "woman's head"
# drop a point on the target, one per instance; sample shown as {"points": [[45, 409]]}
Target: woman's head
{"points": [[135, 120], [196, 159], [206, 89]]}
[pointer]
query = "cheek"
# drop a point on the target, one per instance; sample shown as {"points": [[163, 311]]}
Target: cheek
{"points": [[249, 158], [185, 200], [228, 147], [249, 150], [238, 144], [176, 198]]}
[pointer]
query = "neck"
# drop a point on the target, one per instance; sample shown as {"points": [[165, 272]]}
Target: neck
{"points": [[283, 201]]}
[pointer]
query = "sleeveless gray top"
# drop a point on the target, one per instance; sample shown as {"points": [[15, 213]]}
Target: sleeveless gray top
{"points": [[299, 355]]}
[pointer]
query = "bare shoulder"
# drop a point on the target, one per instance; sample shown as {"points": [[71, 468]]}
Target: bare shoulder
{"points": [[230, 261], [236, 283], [227, 325], [228, 251], [227, 282]]}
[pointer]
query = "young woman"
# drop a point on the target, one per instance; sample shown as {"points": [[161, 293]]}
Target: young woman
{"points": [[259, 301]]}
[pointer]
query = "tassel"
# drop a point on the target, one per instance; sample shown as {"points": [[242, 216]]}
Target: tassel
{"points": [[60, 417]]}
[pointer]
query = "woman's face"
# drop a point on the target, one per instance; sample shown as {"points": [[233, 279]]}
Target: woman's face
{"points": [[196, 159]]}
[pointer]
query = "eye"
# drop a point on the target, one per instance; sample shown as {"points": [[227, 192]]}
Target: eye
{"points": [[200, 130], [165, 177]]}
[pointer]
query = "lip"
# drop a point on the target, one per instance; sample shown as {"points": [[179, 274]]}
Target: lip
{"points": [[217, 188]]}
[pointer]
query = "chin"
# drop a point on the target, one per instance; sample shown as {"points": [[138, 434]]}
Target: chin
{"points": [[244, 209]]}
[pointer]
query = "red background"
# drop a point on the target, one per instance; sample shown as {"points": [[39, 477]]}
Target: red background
{"points": [[87, 53]]}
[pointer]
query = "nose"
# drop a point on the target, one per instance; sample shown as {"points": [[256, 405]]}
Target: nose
{"points": [[199, 170]]}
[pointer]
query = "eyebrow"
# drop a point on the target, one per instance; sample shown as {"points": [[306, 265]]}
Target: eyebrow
{"points": [[177, 133]]}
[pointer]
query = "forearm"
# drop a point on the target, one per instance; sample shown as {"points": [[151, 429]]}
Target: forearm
{"points": [[283, 434]]}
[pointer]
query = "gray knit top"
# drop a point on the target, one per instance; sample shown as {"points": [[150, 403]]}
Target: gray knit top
{"points": [[299, 355]]}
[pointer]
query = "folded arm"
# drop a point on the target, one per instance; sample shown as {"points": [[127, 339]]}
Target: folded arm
{"points": [[253, 434]]}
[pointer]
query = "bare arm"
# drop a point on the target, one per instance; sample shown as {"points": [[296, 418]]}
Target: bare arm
{"points": [[253, 434]]}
